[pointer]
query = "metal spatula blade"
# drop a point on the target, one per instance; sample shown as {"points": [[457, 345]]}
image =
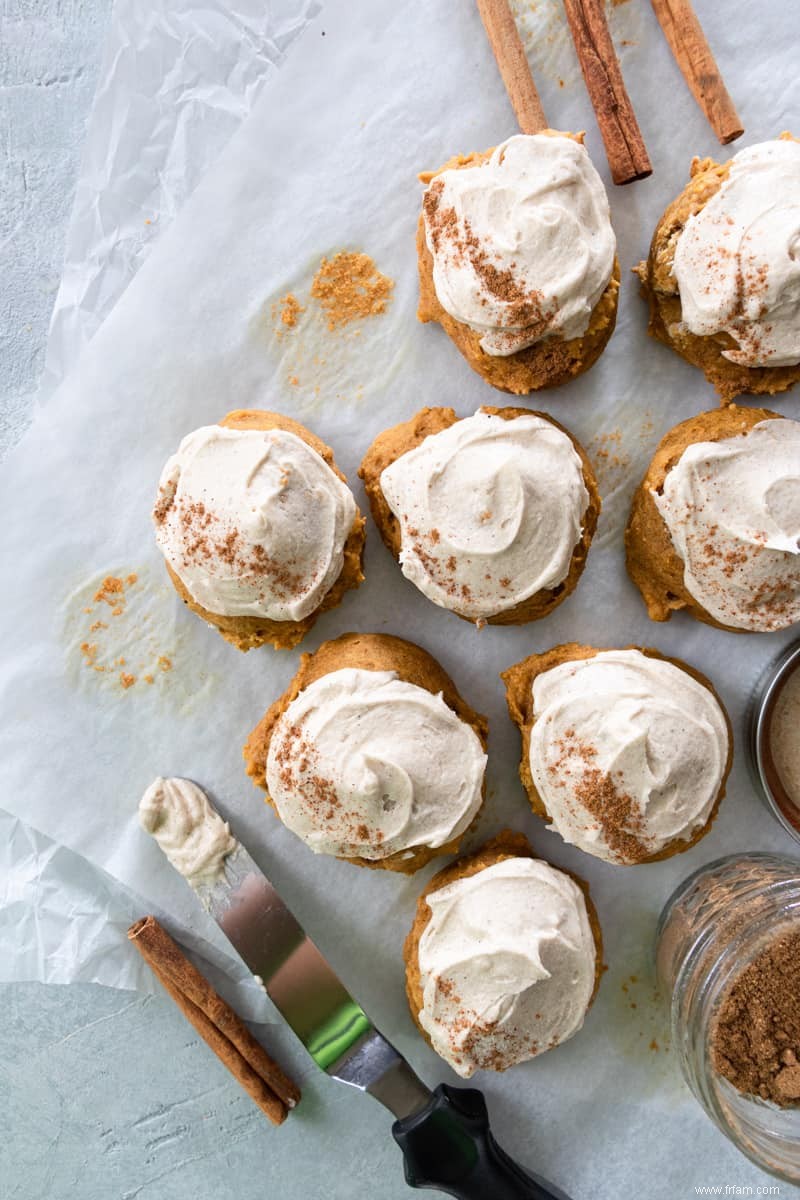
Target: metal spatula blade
{"points": [[302, 985]]}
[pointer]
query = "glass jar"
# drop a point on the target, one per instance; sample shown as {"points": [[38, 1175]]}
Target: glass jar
{"points": [[711, 928]]}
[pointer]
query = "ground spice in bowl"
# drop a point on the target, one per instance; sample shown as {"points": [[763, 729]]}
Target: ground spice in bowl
{"points": [[774, 738], [784, 737]]}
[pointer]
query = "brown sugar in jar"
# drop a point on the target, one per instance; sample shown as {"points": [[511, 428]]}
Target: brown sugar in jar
{"points": [[755, 1037], [728, 959]]}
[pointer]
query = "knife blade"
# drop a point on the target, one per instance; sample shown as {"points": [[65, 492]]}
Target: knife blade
{"points": [[444, 1134]]}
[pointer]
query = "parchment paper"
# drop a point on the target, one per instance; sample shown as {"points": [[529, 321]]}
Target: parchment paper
{"points": [[327, 161], [63, 918], [178, 77]]}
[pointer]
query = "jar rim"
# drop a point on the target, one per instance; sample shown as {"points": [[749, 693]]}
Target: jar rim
{"points": [[749, 856]]}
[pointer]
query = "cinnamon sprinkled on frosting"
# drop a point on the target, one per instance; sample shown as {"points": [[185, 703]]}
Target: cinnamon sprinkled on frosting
{"points": [[590, 790], [732, 509], [253, 522], [365, 765], [627, 752], [522, 244], [507, 965], [490, 511], [208, 537], [525, 308], [737, 263]]}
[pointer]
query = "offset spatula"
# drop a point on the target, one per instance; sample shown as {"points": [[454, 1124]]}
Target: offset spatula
{"points": [[444, 1135]]}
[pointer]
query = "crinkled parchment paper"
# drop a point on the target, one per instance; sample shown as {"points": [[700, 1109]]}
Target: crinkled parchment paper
{"points": [[178, 78], [63, 918], [327, 161]]}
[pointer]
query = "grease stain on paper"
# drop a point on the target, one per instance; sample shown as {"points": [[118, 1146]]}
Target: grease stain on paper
{"points": [[638, 1020], [122, 641], [325, 332], [634, 1015], [619, 457]]}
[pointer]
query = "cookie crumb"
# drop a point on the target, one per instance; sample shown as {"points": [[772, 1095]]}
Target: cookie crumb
{"points": [[89, 652], [107, 647], [109, 591], [291, 308], [349, 286]]}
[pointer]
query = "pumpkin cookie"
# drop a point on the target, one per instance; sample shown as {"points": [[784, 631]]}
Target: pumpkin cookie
{"points": [[491, 516], [258, 528], [503, 959], [715, 523], [625, 753], [517, 260], [371, 754], [723, 276]]}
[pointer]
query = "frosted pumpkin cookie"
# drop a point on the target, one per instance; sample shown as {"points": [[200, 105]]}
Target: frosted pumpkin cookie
{"points": [[624, 752], [517, 260], [258, 528], [715, 523], [503, 959], [490, 516], [371, 754], [723, 275]]}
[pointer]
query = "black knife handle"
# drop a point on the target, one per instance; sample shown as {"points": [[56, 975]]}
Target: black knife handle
{"points": [[449, 1147]]}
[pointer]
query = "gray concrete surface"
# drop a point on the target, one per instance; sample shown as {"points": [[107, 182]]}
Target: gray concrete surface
{"points": [[49, 57], [107, 1095]]}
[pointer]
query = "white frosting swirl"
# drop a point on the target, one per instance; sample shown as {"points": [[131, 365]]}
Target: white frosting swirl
{"points": [[737, 261], [732, 509], [507, 965], [193, 836], [364, 765], [253, 522], [627, 753], [490, 511], [522, 244]]}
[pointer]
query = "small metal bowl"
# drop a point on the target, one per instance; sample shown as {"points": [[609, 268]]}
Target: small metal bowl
{"points": [[759, 721]]}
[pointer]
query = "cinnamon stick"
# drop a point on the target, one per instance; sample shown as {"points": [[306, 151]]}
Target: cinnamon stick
{"points": [[509, 53], [625, 148], [693, 55], [215, 1021]]}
